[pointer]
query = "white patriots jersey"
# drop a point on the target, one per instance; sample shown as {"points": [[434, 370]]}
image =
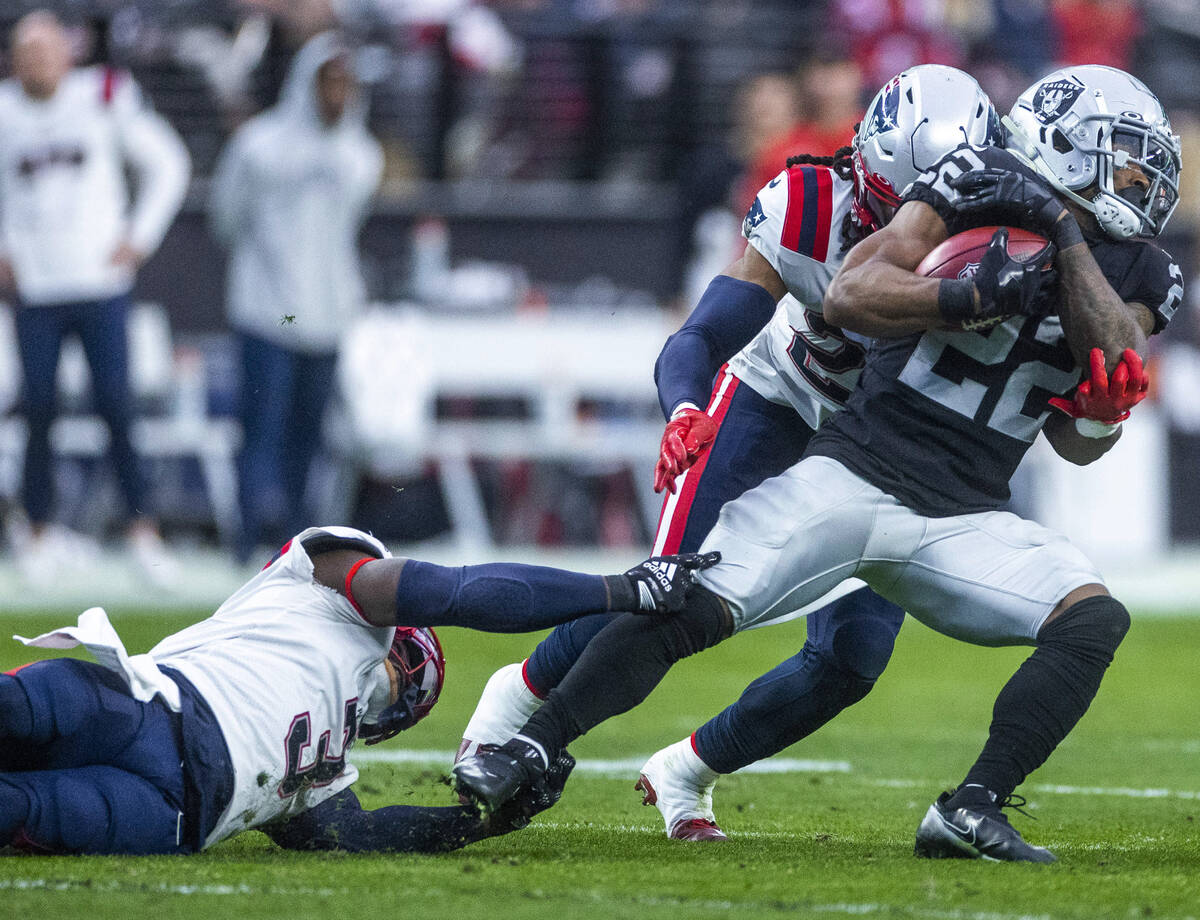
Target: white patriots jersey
{"points": [[798, 359], [289, 669]]}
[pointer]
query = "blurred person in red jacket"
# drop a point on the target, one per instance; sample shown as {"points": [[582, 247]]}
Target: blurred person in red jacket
{"points": [[1097, 31], [828, 101]]}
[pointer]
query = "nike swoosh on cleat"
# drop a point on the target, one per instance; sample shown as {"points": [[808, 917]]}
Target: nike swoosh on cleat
{"points": [[962, 832]]}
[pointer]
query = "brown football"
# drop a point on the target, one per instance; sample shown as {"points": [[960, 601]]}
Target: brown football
{"points": [[959, 256]]}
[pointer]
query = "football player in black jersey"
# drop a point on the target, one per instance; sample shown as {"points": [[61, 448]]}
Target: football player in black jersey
{"points": [[903, 487]]}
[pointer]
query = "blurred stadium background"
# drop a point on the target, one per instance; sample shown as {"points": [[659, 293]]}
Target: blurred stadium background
{"points": [[562, 178]]}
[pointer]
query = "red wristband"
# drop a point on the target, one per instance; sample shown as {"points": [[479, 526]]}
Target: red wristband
{"points": [[349, 592]]}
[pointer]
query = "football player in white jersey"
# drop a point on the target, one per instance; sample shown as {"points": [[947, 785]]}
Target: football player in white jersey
{"points": [[72, 236], [245, 719], [788, 370], [904, 486]]}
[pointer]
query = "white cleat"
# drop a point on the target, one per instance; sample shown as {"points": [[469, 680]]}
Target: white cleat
{"points": [[680, 785], [503, 709]]}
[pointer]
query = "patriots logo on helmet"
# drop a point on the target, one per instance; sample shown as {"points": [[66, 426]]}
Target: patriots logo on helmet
{"points": [[887, 107], [754, 217], [1054, 99]]}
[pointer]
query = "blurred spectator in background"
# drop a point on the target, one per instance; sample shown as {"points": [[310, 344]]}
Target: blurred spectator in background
{"points": [[775, 115], [1097, 31], [767, 113], [290, 194], [829, 95], [72, 241], [715, 192], [887, 36], [1022, 37]]}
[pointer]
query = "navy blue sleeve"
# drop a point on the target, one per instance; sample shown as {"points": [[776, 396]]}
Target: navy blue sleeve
{"points": [[341, 823], [496, 597], [728, 316]]}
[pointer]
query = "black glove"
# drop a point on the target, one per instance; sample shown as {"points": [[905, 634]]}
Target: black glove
{"points": [[658, 585], [532, 799], [1007, 287], [1015, 198]]}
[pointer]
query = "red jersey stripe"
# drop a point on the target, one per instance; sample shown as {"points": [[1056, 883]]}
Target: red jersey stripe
{"points": [[793, 217]]}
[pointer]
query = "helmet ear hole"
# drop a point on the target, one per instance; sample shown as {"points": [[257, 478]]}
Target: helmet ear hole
{"points": [[1060, 142]]}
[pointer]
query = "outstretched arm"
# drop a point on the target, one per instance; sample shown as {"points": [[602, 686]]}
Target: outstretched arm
{"points": [[500, 596]]}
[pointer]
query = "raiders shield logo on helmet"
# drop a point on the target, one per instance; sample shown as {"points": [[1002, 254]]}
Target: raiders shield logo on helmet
{"points": [[1054, 99]]}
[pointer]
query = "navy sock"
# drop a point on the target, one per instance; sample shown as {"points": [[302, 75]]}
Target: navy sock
{"points": [[788, 703]]}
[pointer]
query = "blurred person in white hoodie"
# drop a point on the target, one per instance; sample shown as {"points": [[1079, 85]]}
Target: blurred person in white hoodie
{"points": [[72, 237], [290, 193]]}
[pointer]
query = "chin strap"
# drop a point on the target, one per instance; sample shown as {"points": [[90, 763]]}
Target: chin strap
{"points": [[1116, 217]]}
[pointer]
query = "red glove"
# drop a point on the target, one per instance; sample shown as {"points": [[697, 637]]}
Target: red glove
{"points": [[1108, 400], [687, 436]]}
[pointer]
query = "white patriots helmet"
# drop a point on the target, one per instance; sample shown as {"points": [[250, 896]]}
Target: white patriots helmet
{"points": [[1077, 126], [918, 117]]}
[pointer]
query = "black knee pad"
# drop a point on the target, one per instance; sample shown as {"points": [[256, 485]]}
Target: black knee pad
{"points": [[1094, 626], [703, 623]]}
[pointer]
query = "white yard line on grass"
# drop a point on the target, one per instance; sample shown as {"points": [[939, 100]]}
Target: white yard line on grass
{"points": [[58, 884], [615, 769], [91, 885], [628, 766]]}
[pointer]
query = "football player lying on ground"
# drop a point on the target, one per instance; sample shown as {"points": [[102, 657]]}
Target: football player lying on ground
{"points": [[792, 372], [903, 487], [244, 720]]}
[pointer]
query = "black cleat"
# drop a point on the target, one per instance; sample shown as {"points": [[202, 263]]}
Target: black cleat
{"points": [[980, 830], [494, 775]]}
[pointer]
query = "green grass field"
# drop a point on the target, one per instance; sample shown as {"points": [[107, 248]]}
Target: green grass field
{"points": [[1118, 802]]}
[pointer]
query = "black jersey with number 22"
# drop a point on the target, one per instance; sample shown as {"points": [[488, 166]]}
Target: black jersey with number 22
{"points": [[941, 419]]}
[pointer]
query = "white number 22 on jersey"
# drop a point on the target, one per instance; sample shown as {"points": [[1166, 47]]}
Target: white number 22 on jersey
{"points": [[999, 379]]}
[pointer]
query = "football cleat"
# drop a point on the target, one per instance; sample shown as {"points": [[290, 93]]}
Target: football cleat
{"points": [[680, 785], [697, 829], [494, 775], [504, 707], [531, 800], [980, 830]]}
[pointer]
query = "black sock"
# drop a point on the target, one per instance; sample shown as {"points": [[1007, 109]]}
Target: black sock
{"points": [[1049, 693], [622, 664]]}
